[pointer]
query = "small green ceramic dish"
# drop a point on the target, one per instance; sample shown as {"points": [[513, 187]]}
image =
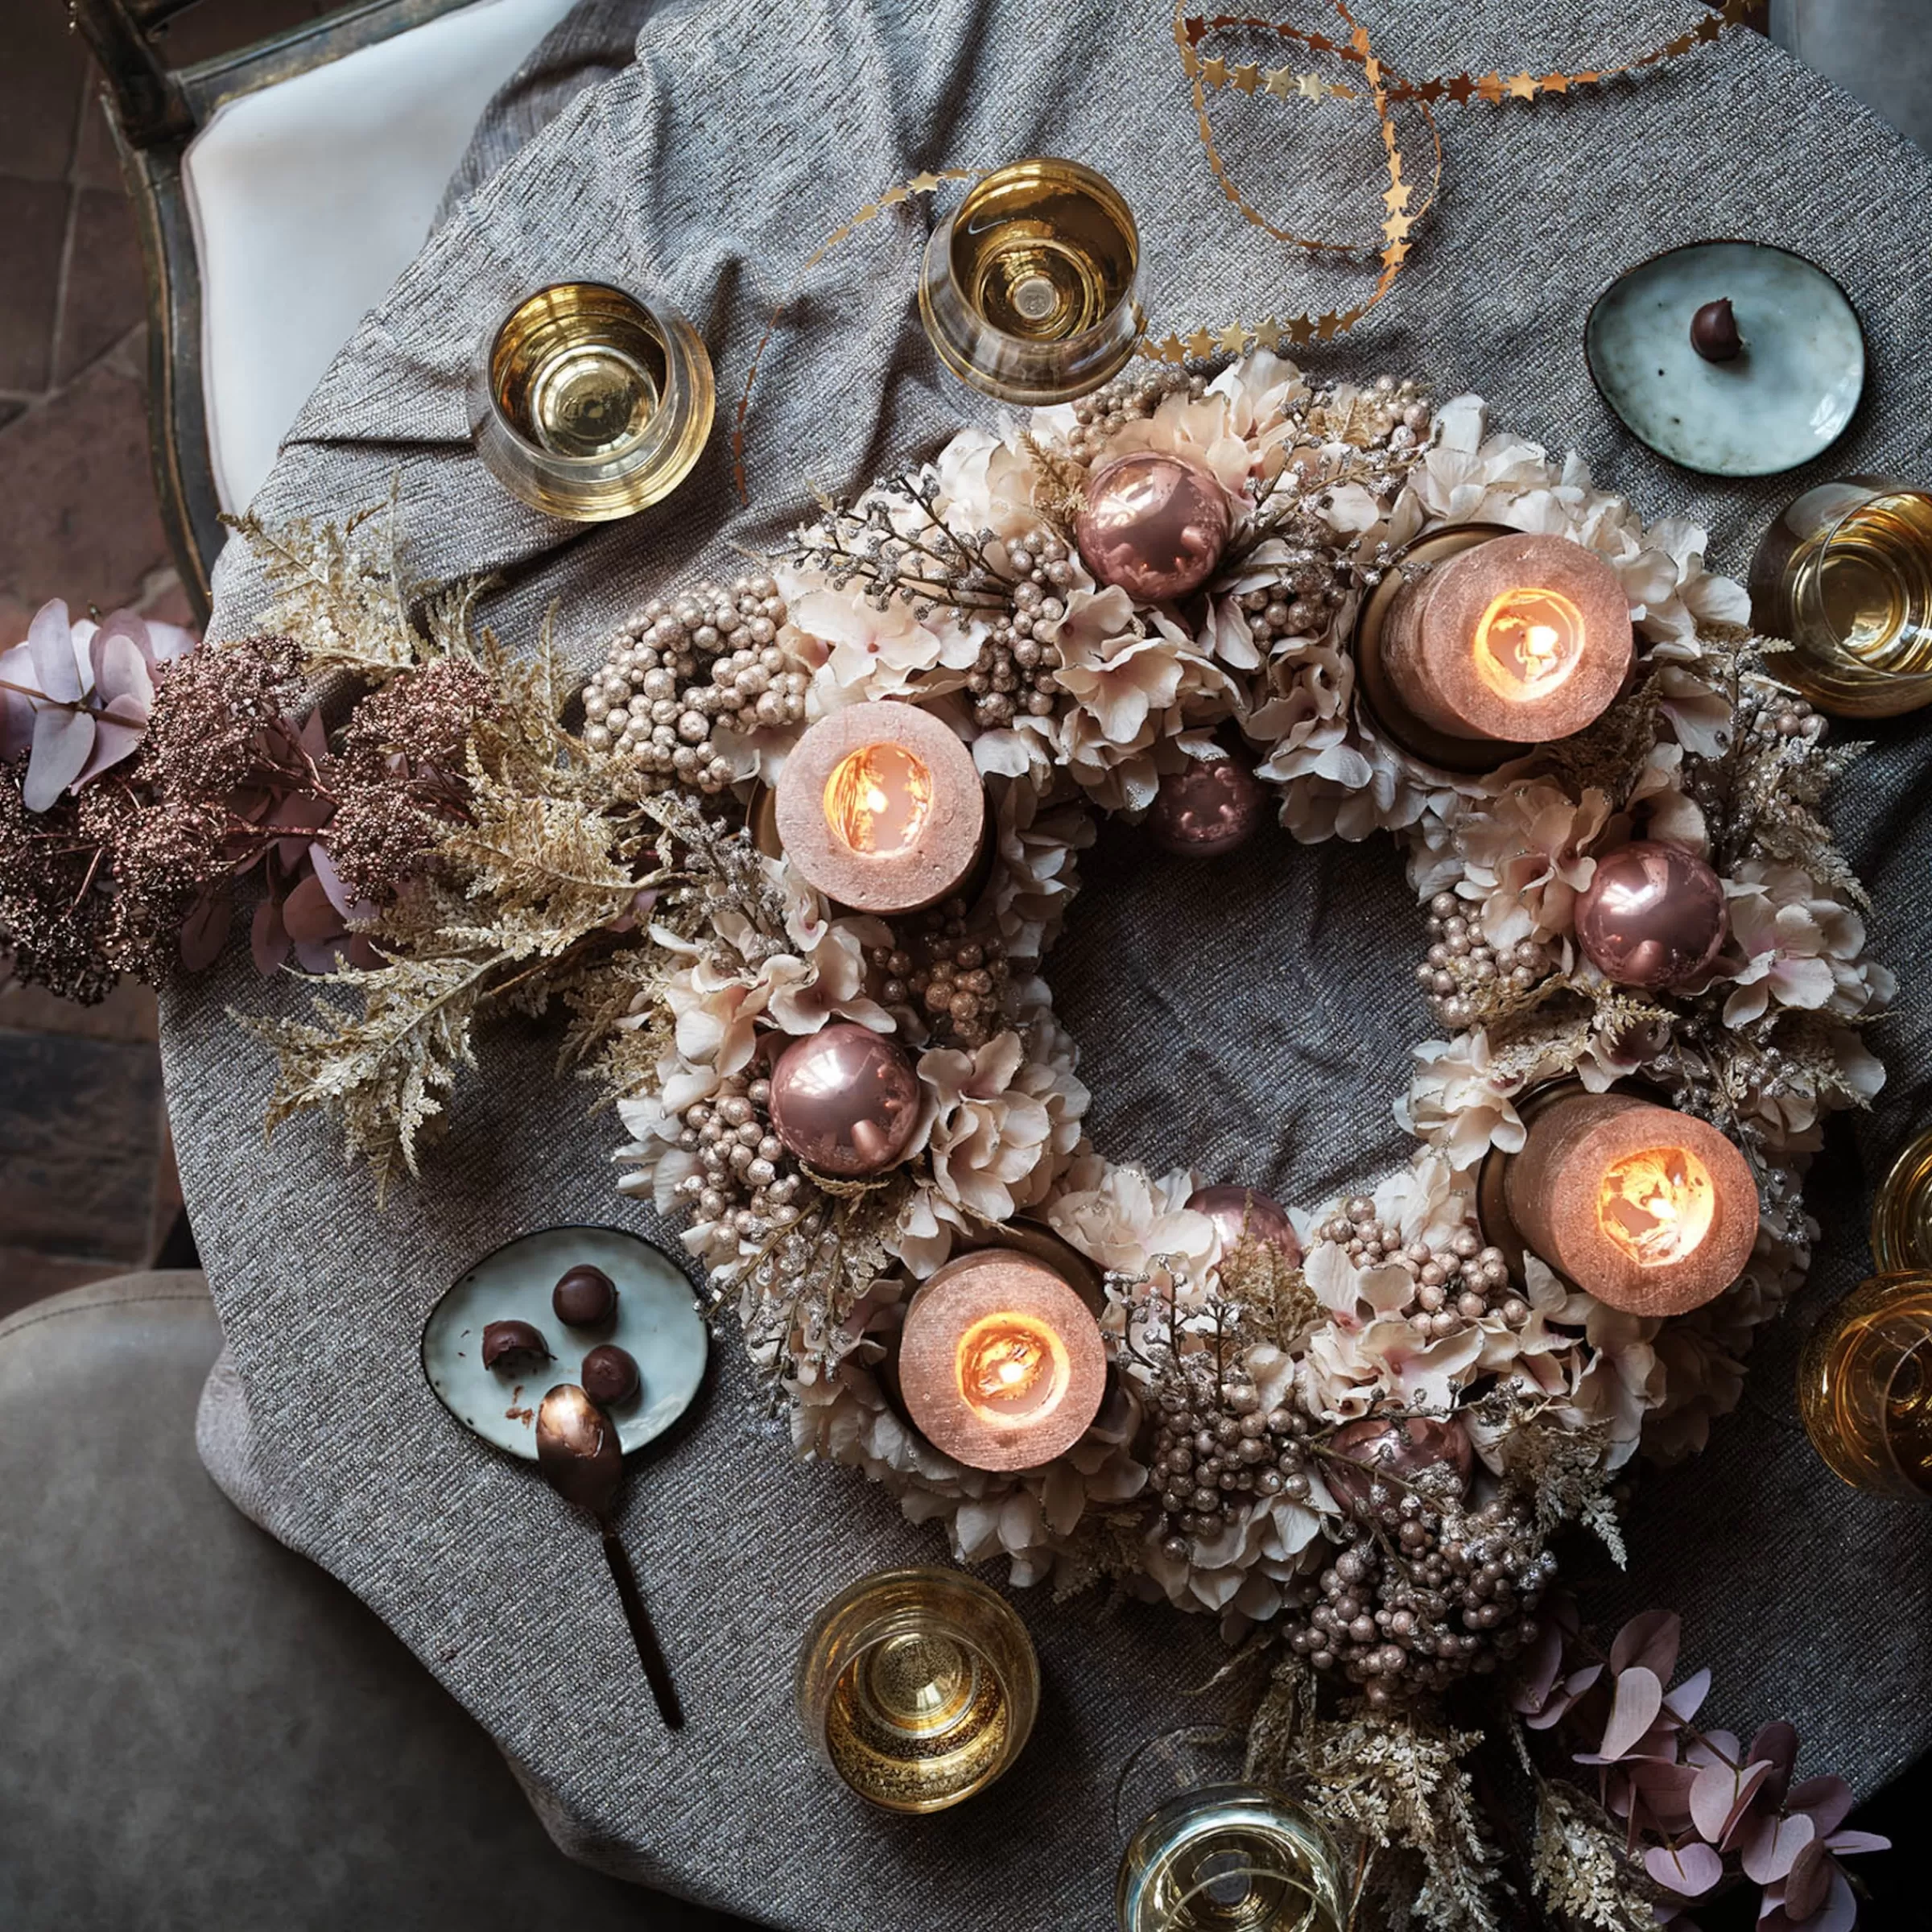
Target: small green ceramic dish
{"points": [[657, 1320], [1782, 402]]}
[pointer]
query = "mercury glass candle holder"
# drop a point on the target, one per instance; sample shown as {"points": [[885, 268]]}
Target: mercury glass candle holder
{"points": [[587, 404], [1483, 641], [1230, 1858], [1864, 1386], [1845, 576], [1650, 1210], [1027, 289], [882, 808], [918, 1687]]}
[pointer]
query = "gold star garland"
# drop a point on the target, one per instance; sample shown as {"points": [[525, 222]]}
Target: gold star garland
{"points": [[1210, 74]]}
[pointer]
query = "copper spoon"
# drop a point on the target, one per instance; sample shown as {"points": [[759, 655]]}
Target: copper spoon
{"points": [[581, 1459]]}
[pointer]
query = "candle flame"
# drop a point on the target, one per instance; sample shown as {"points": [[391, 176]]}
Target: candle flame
{"points": [[1528, 642], [1013, 1368], [878, 799], [1658, 1205]]}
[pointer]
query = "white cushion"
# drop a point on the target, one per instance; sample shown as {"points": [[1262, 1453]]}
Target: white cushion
{"points": [[309, 197]]}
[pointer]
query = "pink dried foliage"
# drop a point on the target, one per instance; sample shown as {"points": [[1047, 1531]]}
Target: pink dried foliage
{"points": [[213, 781], [1701, 1809]]}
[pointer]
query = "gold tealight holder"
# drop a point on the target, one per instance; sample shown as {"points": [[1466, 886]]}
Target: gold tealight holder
{"points": [[1230, 1858], [918, 1687], [1864, 1386], [1845, 574], [1902, 1210], [588, 405], [1027, 289]]}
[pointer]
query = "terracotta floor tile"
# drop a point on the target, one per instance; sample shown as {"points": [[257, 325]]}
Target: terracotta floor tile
{"points": [[127, 1014], [105, 295], [80, 521], [96, 161], [40, 67], [167, 601], [80, 1139], [33, 231]]}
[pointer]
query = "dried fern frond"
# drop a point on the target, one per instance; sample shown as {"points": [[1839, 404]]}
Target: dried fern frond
{"points": [[342, 601], [384, 1072], [1561, 1466], [1577, 1867], [1392, 1781]]}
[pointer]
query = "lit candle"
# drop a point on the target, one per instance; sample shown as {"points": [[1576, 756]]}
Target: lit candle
{"points": [[1649, 1210], [1001, 1363], [880, 806], [1515, 641]]}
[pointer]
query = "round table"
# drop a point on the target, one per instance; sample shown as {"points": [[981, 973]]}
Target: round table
{"points": [[1220, 1014]]}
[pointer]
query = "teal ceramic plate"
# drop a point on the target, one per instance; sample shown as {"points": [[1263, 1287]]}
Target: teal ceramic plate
{"points": [[1786, 399], [657, 1320]]}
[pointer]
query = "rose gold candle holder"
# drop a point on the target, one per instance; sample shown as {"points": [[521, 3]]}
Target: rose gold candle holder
{"points": [[1649, 1210], [1002, 1365], [881, 808], [1482, 642]]}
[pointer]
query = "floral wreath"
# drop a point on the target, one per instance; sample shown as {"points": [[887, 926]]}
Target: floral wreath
{"points": [[469, 839], [931, 589]]}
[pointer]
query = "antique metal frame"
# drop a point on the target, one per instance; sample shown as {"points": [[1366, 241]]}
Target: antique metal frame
{"points": [[155, 111]]}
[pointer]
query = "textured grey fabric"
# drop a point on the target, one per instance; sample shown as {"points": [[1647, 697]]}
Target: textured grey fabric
{"points": [[203, 1731], [1253, 1020], [594, 40]]}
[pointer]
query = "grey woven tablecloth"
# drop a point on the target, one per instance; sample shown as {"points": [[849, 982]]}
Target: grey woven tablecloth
{"points": [[1255, 1019]]}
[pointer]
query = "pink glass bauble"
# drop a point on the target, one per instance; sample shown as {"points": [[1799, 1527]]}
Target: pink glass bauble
{"points": [[1210, 806], [1239, 1211], [1403, 1446], [1154, 524], [845, 1100], [1652, 916]]}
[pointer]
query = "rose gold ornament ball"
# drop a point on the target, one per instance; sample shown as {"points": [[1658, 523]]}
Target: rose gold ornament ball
{"points": [[1652, 916], [1210, 806], [1405, 1446], [845, 1100], [1236, 1210], [1154, 524]]}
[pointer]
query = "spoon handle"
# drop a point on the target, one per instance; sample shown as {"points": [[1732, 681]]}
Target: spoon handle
{"points": [[657, 1673]]}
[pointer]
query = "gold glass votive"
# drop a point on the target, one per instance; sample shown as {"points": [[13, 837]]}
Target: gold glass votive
{"points": [[587, 405], [1902, 1210], [1845, 575], [1230, 1858], [918, 1687], [1864, 1386], [1027, 289]]}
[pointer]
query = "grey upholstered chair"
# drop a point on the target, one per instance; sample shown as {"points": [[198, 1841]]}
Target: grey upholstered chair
{"points": [[202, 1730]]}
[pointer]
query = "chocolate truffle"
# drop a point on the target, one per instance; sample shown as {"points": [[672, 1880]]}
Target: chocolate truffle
{"points": [[585, 1298], [514, 1347], [1714, 332], [609, 1375]]}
